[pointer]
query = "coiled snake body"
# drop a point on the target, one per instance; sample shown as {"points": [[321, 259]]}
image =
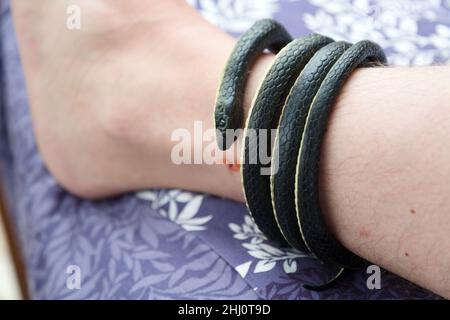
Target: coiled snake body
{"points": [[295, 97]]}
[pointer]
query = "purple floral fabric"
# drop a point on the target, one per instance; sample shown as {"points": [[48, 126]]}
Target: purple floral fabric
{"points": [[173, 244]]}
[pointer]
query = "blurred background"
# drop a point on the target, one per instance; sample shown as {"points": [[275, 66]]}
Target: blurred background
{"points": [[9, 284]]}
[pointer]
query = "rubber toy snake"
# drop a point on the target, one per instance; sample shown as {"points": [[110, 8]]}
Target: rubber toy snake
{"points": [[295, 98]]}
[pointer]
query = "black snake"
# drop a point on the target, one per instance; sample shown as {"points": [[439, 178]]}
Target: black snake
{"points": [[295, 97]]}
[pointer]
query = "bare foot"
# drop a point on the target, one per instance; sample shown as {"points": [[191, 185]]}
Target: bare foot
{"points": [[106, 98]]}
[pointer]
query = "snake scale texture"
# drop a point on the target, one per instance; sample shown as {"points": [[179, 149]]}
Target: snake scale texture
{"points": [[295, 98]]}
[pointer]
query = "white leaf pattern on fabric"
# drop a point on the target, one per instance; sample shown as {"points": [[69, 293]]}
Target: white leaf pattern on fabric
{"points": [[259, 247], [243, 268], [264, 266], [190, 209], [394, 25], [185, 217], [235, 16], [290, 266]]}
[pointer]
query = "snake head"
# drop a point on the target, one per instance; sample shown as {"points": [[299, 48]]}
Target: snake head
{"points": [[222, 127], [228, 120]]}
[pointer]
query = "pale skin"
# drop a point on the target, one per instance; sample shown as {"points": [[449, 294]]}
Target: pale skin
{"points": [[105, 100]]}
